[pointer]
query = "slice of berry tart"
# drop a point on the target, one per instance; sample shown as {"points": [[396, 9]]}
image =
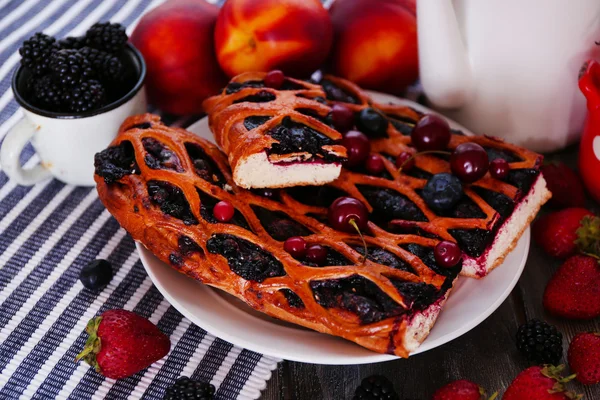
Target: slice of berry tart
{"points": [[313, 256], [274, 132]]}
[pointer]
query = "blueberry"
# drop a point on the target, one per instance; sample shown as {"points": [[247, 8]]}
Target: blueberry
{"points": [[442, 192], [372, 123], [96, 274]]}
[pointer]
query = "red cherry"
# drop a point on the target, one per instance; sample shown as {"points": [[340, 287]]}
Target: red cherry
{"points": [[469, 161], [317, 254], [296, 246], [447, 254], [223, 211], [499, 168], [274, 79], [344, 210], [431, 133], [374, 164], [342, 117], [358, 147], [402, 158]]}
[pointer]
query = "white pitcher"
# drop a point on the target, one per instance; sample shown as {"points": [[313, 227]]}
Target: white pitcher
{"points": [[509, 68]]}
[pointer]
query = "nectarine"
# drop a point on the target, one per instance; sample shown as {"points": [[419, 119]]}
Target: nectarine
{"points": [[261, 35], [375, 43], [176, 40]]}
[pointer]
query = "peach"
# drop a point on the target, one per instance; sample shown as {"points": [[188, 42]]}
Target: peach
{"points": [[261, 35], [176, 40], [375, 43]]}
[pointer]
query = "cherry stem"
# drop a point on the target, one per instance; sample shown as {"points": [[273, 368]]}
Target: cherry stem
{"points": [[353, 223], [420, 154]]}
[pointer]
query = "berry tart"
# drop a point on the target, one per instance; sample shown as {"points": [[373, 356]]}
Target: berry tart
{"points": [[331, 269], [272, 129], [430, 180]]}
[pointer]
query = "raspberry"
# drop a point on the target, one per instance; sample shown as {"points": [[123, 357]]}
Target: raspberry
{"points": [[107, 36], [69, 68], [36, 51]]}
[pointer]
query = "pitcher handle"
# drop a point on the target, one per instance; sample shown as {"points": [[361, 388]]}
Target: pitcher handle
{"points": [[589, 83]]}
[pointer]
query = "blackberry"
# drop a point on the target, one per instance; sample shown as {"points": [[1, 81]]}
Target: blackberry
{"points": [[72, 42], [540, 342], [106, 36], [375, 387], [84, 97], [36, 51], [70, 68], [106, 66], [46, 94], [186, 388]]}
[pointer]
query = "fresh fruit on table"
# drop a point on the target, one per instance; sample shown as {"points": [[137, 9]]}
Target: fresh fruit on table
{"points": [[574, 290], [539, 383], [176, 39], [461, 390], [186, 388], [589, 147], [565, 185], [540, 342], [556, 232], [584, 357], [96, 274], [375, 387], [121, 343], [261, 35], [375, 43], [77, 74]]}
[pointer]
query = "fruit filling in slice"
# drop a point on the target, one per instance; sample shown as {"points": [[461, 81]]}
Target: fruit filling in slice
{"points": [[115, 162], [159, 156], [171, 201]]}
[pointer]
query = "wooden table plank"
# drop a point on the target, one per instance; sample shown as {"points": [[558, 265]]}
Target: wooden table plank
{"points": [[486, 355]]}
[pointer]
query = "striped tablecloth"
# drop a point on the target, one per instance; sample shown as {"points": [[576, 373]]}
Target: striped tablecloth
{"points": [[50, 230]]}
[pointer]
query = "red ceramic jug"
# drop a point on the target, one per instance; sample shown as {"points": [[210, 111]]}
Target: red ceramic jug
{"points": [[589, 150]]}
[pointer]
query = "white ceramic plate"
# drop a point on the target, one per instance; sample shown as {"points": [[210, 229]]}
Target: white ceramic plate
{"points": [[222, 315]]}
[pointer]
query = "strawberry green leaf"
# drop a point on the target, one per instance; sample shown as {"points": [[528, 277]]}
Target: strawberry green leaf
{"points": [[588, 234], [92, 345]]}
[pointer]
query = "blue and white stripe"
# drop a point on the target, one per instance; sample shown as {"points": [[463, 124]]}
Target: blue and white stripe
{"points": [[50, 230]]}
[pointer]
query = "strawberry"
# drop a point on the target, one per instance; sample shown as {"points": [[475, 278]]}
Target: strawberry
{"points": [[565, 185], [121, 343], [556, 232], [461, 390], [584, 357], [574, 290], [539, 383]]}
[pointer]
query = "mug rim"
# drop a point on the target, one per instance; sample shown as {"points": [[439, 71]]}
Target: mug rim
{"points": [[109, 107]]}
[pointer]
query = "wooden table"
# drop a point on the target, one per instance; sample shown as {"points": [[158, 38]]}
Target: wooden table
{"points": [[486, 355]]}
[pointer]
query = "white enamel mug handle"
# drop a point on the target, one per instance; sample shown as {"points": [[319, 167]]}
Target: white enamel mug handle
{"points": [[11, 150]]}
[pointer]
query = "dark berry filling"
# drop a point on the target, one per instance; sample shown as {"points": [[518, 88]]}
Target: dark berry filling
{"points": [[207, 204], [417, 295], [244, 258], [316, 196], [357, 295], [403, 127], [389, 205], [160, 156], [292, 298], [143, 125], [294, 137], [503, 204], [334, 258], [457, 132], [187, 246], [418, 173], [171, 200], [175, 259], [384, 257], [261, 97], [472, 241], [279, 225], [234, 87], [204, 166], [523, 179], [336, 93], [426, 255], [115, 162], [465, 208], [494, 153], [255, 121], [408, 228]]}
